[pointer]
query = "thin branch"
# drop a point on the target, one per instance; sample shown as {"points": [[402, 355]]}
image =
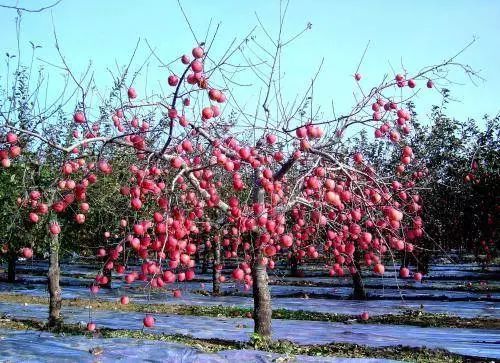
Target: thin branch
{"points": [[30, 10]]}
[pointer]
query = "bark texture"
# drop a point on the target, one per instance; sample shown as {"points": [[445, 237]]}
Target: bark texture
{"points": [[55, 298], [262, 311]]}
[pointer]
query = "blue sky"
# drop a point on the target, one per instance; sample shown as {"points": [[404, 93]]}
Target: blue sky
{"points": [[418, 33]]}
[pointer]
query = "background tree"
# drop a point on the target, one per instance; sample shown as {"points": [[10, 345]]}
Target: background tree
{"points": [[460, 159]]}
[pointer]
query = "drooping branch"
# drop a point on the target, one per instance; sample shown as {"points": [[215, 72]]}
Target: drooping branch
{"points": [[18, 8]]}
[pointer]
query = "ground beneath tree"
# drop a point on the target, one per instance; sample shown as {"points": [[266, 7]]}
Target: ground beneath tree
{"points": [[464, 291], [46, 347]]}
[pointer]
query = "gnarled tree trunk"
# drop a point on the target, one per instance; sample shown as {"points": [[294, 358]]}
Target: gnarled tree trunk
{"points": [[55, 298], [262, 310]]}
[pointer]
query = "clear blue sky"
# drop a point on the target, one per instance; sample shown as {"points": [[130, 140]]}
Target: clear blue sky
{"points": [[417, 32]]}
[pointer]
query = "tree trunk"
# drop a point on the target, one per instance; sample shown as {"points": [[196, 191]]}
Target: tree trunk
{"points": [[424, 260], [11, 268], [55, 299], [215, 269], [359, 292], [197, 257], [294, 266], [262, 310]]}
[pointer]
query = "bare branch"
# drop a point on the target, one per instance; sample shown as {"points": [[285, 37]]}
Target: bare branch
{"points": [[31, 10]]}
